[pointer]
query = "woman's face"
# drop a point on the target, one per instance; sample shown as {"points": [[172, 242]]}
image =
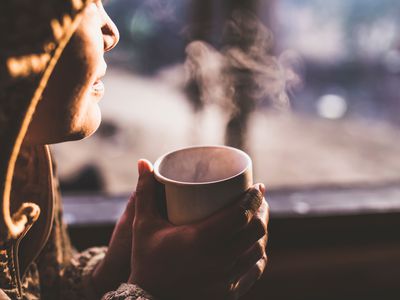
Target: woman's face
{"points": [[69, 108]]}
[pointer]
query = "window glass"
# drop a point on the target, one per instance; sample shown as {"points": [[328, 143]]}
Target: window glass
{"points": [[316, 84]]}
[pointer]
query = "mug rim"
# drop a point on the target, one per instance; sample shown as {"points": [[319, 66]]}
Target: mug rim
{"points": [[164, 180]]}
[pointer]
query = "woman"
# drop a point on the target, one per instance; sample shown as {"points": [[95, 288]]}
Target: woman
{"points": [[51, 65]]}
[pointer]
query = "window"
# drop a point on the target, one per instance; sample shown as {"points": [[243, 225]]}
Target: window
{"points": [[340, 63]]}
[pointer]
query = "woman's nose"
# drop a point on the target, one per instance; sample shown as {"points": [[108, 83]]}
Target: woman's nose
{"points": [[110, 33]]}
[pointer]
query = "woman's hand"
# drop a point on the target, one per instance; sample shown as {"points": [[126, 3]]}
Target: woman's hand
{"points": [[115, 267], [218, 258]]}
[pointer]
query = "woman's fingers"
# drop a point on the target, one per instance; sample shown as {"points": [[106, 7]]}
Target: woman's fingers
{"points": [[247, 281], [231, 288], [128, 215], [145, 190], [249, 235], [217, 290], [229, 221], [242, 250], [242, 260], [249, 259]]}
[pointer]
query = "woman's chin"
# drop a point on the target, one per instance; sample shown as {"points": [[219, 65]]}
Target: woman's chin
{"points": [[85, 131], [77, 129], [87, 126]]}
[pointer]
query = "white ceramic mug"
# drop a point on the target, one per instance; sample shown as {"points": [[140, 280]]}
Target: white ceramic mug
{"points": [[201, 180]]}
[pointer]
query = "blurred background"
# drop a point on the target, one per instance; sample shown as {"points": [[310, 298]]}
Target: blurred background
{"points": [[309, 88], [324, 110]]}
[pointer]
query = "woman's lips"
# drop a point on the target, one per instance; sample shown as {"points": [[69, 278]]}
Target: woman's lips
{"points": [[98, 87]]}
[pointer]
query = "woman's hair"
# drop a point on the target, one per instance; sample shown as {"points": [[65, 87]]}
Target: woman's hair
{"points": [[33, 36]]}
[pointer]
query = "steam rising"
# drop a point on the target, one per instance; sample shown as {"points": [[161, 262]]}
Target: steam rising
{"points": [[239, 76], [201, 171], [203, 164]]}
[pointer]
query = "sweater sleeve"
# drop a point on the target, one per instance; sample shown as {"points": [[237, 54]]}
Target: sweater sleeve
{"points": [[77, 284], [128, 292], [75, 280]]}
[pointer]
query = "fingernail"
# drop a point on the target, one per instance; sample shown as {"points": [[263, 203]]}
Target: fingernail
{"points": [[261, 188], [140, 168]]}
